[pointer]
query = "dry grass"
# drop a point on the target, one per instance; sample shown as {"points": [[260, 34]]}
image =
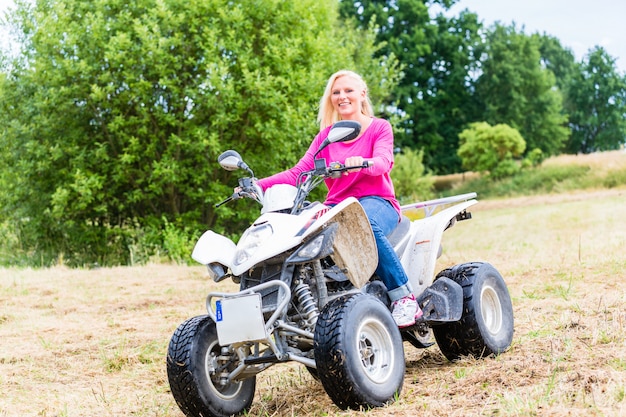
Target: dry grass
{"points": [[605, 161], [93, 342], [601, 164]]}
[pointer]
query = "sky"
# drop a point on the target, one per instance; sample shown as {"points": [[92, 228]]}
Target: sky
{"points": [[578, 24]]}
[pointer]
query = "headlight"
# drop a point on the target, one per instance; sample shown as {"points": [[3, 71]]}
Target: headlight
{"points": [[317, 248], [251, 240], [311, 249]]}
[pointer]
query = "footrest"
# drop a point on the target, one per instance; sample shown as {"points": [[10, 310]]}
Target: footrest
{"points": [[442, 302]]}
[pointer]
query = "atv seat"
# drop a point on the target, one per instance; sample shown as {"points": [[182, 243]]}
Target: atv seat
{"points": [[400, 231], [396, 236]]}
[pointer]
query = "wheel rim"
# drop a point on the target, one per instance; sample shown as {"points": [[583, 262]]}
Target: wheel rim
{"points": [[491, 309], [211, 365], [375, 349]]}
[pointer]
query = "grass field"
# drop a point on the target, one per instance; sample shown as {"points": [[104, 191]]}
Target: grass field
{"points": [[560, 174], [93, 342]]}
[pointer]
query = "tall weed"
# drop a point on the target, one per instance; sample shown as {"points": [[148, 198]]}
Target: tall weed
{"points": [[615, 179]]}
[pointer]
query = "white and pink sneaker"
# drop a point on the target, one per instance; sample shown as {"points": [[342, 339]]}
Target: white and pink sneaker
{"points": [[406, 311]]}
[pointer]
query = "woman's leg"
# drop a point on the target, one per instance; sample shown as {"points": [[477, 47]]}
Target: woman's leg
{"points": [[384, 219]]}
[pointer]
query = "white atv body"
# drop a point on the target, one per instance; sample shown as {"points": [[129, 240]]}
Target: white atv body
{"points": [[308, 293]]}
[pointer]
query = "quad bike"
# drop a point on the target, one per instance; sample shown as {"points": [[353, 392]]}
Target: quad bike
{"points": [[308, 293]]}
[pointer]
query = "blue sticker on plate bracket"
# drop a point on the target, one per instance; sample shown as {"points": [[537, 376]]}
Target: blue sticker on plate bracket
{"points": [[218, 311]]}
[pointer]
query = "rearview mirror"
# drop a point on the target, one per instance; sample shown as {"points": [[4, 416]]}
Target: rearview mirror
{"points": [[342, 131], [230, 160]]}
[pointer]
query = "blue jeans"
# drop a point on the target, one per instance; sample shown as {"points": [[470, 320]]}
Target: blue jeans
{"points": [[384, 218]]}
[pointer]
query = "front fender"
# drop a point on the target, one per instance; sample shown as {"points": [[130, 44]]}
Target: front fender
{"points": [[214, 248], [354, 246]]}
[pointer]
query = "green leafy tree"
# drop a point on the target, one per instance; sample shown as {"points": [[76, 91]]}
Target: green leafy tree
{"points": [[596, 103], [514, 88], [557, 59], [491, 149], [442, 104], [115, 112], [438, 54]]}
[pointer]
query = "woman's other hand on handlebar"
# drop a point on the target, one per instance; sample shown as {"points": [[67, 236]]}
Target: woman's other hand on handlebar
{"points": [[354, 161]]}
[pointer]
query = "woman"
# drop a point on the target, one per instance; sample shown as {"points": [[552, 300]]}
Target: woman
{"points": [[346, 98]]}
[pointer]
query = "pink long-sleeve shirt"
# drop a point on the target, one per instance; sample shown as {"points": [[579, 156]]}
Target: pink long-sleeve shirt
{"points": [[376, 144]]}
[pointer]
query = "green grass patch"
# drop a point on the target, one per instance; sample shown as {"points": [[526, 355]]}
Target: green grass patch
{"points": [[615, 178], [540, 180]]}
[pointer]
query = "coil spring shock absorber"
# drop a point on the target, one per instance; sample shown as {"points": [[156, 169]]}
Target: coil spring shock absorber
{"points": [[307, 303]]}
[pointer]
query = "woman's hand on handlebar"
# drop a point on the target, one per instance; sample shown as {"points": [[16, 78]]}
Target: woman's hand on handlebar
{"points": [[248, 188], [239, 192], [356, 161]]}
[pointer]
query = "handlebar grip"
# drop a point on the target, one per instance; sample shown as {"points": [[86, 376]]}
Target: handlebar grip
{"points": [[224, 202], [336, 169]]}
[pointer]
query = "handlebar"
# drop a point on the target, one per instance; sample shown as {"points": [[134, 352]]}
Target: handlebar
{"points": [[237, 195], [231, 198], [248, 187], [337, 167]]}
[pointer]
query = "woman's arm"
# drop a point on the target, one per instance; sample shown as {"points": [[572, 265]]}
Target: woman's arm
{"points": [[290, 176], [381, 141]]}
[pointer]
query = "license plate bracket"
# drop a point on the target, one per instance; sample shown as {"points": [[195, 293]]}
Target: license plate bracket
{"points": [[240, 319]]}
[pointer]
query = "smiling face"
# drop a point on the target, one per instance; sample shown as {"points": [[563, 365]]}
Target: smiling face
{"points": [[347, 96]]}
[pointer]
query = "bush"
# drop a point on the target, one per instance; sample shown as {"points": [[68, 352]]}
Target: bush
{"points": [[533, 159], [11, 254], [615, 179], [159, 241], [102, 135], [178, 243], [410, 179], [549, 179], [491, 149]]}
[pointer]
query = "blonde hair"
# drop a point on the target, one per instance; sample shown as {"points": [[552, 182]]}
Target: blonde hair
{"points": [[327, 114]]}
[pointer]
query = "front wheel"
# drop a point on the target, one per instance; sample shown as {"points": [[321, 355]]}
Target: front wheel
{"points": [[486, 326], [194, 365], [358, 352]]}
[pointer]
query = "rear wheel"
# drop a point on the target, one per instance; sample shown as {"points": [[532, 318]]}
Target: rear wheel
{"points": [[194, 367], [358, 352], [486, 326]]}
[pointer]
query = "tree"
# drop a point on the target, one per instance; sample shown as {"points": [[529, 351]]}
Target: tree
{"points": [[438, 55], [596, 103], [516, 90], [557, 59], [442, 104], [112, 125], [491, 149]]}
